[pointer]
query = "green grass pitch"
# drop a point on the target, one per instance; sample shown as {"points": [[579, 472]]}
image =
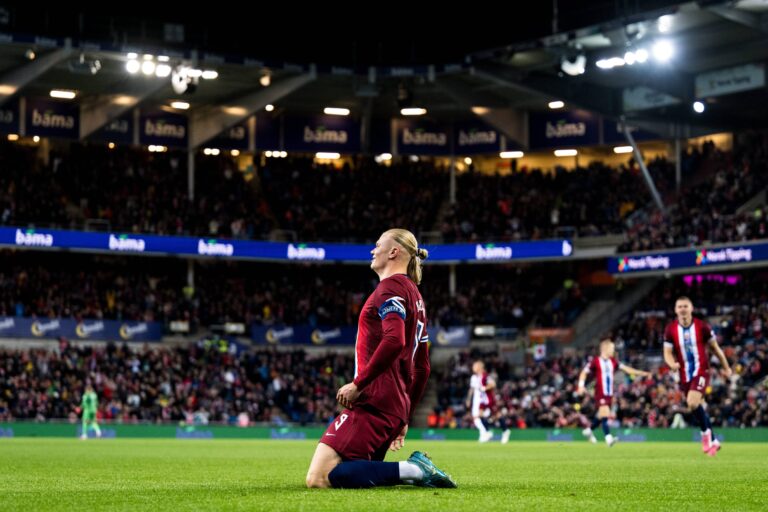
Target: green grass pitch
{"points": [[155, 474]]}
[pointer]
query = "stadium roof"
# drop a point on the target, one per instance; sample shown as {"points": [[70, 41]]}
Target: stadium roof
{"points": [[513, 70]]}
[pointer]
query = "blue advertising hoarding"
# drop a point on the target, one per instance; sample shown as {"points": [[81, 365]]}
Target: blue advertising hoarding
{"points": [[53, 118], [346, 335], [476, 138], [338, 134], [689, 259], [119, 131], [235, 137], [163, 129], [422, 137], [98, 330], [613, 133], [9, 117], [268, 132], [274, 251], [563, 129]]}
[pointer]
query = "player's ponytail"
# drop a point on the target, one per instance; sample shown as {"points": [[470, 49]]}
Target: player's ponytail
{"points": [[408, 242]]}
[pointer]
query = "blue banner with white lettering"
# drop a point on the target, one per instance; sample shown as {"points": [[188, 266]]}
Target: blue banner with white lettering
{"points": [[423, 137], [346, 335], [98, 330], [268, 132], [303, 335], [235, 137], [337, 134], [163, 129], [9, 117], [613, 133], [690, 260], [274, 251], [119, 131], [563, 129], [476, 138], [458, 336], [53, 118]]}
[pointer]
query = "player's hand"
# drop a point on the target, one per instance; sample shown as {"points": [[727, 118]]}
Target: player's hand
{"points": [[727, 372], [347, 394], [580, 391], [674, 366], [399, 441], [646, 374]]}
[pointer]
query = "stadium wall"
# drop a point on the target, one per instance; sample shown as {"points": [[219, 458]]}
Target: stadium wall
{"points": [[24, 429]]}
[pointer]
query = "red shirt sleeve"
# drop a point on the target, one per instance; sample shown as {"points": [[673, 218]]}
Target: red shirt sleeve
{"points": [[392, 311]]}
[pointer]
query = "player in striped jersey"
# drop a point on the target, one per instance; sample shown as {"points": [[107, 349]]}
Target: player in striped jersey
{"points": [[604, 367], [685, 342]]}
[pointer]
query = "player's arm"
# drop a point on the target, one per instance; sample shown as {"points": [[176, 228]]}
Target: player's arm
{"points": [[669, 357], [582, 380], [489, 385], [719, 353], [392, 313], [633, 371]]}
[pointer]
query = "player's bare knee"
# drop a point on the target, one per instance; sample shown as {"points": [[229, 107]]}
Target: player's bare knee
{"points": [[315, 481]]}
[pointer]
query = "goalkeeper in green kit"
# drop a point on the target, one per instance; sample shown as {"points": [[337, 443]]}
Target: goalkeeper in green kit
{"points": [[90, 404]]}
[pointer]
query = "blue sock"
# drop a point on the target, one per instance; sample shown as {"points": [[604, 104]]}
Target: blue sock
{"points": [[360, 474], [606, 430], [702, 418], [595, 423]]}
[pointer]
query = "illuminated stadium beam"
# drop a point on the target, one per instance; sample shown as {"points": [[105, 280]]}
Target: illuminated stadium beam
{"points": [[15, 80], [101, 110]]}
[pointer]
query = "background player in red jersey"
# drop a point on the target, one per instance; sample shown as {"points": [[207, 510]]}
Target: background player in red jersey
{"points": [[603, 367], [391, 371], [685, 340], [481, 401]]}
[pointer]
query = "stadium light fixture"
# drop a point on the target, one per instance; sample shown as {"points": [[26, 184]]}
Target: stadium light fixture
{"points": [[554, 105], [333, 111], [269, 108], [180, 105], [663, 51], [413, 111], [566, 152], [511, 154], [698, 107], [327, 156], [132, 66], [664, 23], [163, 70], [63, 94], [574, 67], [622, 149], [148, 67]]}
